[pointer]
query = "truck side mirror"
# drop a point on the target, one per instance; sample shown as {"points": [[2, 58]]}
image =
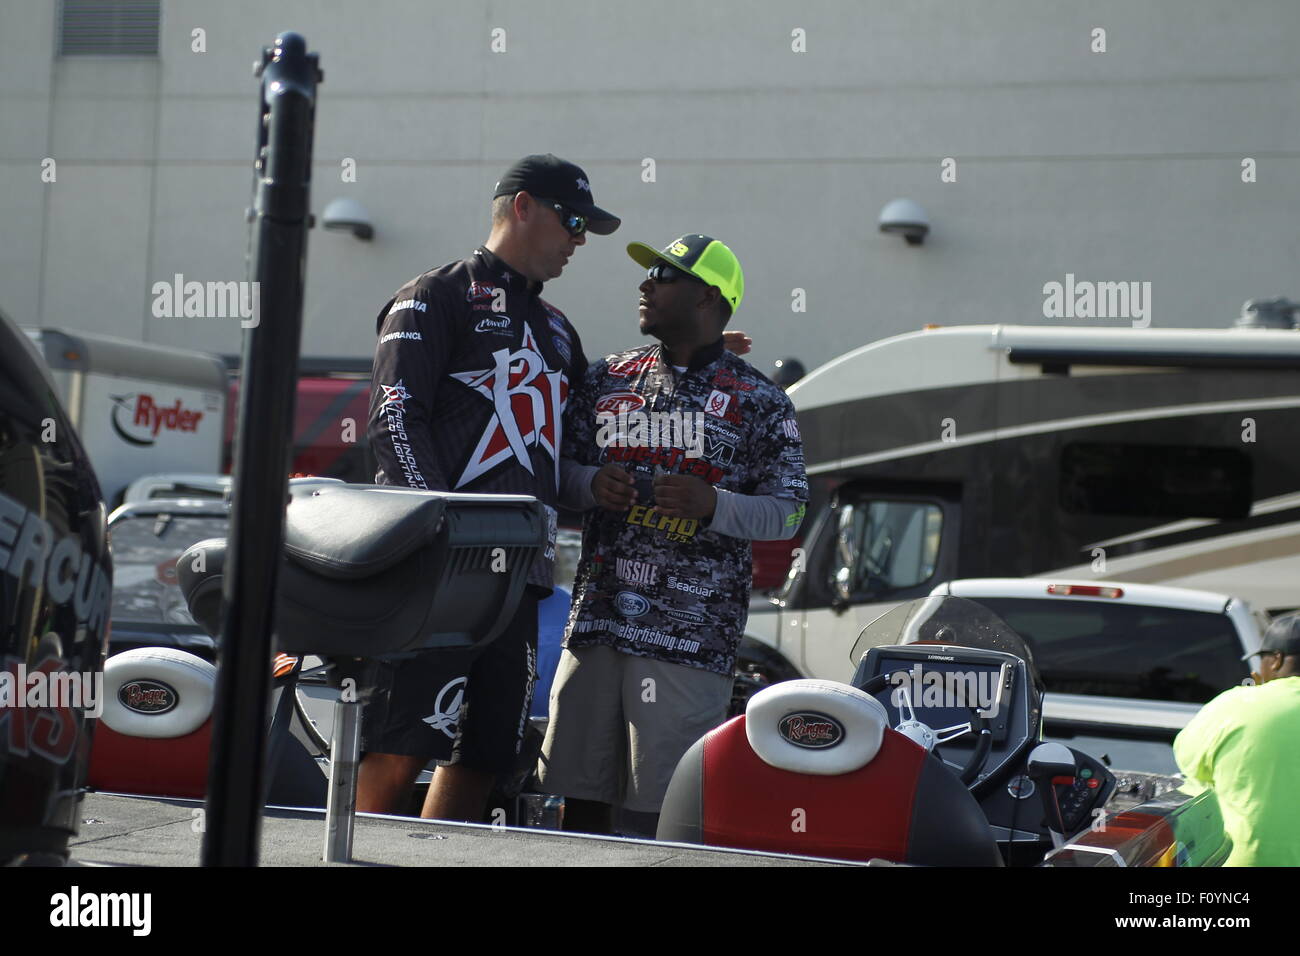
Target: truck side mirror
{"points": [[846, 558]]}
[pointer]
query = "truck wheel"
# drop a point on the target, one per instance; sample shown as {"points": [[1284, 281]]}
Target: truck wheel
{"points": [[757, 666]]}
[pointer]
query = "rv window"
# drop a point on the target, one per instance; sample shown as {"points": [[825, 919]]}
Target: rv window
{"points": [[1174, 481], [892, 545]]}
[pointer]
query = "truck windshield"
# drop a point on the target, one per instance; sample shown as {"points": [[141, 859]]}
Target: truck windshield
{"points": [[145, 549], [1126, 650]]}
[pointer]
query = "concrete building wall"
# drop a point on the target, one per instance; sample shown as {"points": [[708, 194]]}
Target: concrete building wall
{"points": [[1122, 165]]}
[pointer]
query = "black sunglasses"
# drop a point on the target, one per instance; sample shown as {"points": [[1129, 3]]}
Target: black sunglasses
{"points": [[663, 272], [574, 223]]}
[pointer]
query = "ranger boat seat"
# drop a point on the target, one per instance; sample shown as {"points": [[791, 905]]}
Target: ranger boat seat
{"points": [[813, 768]]}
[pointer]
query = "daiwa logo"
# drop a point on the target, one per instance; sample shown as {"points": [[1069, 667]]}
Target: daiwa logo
{"points": [[414, 305], [138, 418], [811, 730]]}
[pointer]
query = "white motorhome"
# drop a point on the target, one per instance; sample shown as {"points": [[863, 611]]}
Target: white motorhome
{"points": [[139, 408], [1160, 456]]}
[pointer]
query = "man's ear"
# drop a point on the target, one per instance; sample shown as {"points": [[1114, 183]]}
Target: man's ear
{"points": [[712, 296], [523, 206]]}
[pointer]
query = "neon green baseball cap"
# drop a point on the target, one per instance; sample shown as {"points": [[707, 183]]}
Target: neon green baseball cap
{"points": [[701, 256]]}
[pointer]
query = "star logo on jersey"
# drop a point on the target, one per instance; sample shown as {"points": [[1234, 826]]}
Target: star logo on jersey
{"points": [[395, 396], [527, 401]]}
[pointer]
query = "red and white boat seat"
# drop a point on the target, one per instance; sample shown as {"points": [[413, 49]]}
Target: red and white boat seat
{"points": [[155, 733], [813, 768]]}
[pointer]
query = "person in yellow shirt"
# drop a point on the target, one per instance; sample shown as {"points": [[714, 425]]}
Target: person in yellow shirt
{"points": [[1245, 745]]}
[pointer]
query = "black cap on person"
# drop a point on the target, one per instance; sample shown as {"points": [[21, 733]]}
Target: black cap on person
{"points": [[1282, 635], [546, 176]]}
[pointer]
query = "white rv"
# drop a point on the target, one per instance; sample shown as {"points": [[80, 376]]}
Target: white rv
{"points": [[139, 409], [1160, 456]]}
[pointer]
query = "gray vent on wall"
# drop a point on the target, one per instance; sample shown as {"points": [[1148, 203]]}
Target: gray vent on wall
{"points": [[108, 28]]}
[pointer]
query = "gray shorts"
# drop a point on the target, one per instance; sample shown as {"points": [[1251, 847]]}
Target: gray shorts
{"points": [[620, 723]]}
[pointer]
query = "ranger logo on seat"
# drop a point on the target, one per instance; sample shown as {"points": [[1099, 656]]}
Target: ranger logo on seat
{"points": [[811, 730]]}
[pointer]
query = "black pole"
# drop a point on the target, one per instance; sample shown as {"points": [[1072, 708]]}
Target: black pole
{"points": [[236, 772]]}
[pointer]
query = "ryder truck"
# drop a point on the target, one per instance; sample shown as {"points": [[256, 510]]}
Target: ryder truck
{"points": [[139, 408]]}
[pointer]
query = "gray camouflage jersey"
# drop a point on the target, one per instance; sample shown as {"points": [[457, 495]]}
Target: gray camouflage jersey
{"points": [[661, 587]]}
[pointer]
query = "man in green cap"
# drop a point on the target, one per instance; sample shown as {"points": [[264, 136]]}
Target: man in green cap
{"points": [[1243, 746], [680, 453]]}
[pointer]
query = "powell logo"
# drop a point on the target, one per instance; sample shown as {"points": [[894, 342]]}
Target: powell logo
{"points": [[501, 324], [811, 730], [147, 697], [137, 419]]}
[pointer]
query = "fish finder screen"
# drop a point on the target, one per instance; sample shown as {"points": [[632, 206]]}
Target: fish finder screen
{"points": [[942, 691]]}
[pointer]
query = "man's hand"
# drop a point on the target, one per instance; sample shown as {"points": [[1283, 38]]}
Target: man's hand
{"points": [[737, 342], [684, 496], [613, 488]]}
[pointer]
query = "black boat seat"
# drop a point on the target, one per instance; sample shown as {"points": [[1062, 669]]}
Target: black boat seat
{"points": [[373, 571]]}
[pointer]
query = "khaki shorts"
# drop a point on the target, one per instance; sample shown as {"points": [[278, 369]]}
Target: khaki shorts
{"points": [[620, 723]]}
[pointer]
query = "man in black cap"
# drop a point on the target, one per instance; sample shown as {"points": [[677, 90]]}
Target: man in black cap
{"points": [[471, 375], [1242, 745]]}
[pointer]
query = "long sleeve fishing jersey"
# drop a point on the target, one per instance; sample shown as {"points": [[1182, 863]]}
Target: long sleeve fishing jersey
{"points": [[471, 378]]}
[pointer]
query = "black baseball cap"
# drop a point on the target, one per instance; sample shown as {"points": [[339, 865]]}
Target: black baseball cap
{"points": [[546, 176], [1282, 635]]}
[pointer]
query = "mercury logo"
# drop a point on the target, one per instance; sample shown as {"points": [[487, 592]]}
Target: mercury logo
{"points": [[446, 709]]}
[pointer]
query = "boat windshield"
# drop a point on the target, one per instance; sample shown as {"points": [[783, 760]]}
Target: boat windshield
{"points": [[942, 620]]}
